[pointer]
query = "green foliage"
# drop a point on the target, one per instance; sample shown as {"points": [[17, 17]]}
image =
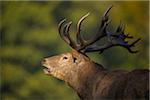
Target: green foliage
{"points": [[29, 33]]}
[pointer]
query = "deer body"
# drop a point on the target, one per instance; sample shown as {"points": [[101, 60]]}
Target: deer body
{"points": [[90, 80]]}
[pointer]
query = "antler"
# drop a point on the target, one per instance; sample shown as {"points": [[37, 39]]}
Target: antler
{"points": [[116, 38]]}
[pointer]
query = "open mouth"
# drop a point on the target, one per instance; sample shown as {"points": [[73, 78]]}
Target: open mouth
{"points": [[46, 70]]}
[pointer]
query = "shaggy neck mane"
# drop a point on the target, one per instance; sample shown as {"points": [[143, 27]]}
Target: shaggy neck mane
{"points": [[83, 80]]}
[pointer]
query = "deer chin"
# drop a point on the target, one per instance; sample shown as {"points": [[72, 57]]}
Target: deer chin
{"points": [[47, 70], [51, 72], [58, 75]]}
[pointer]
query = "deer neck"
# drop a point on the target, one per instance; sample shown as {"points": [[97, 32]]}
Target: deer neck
{"points": [[82, 80]]}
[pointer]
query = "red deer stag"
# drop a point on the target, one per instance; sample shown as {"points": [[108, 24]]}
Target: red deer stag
{"points": [[90, 80]]}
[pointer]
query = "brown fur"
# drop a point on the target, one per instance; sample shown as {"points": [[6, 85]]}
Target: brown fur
{"points": [[92, 81]]}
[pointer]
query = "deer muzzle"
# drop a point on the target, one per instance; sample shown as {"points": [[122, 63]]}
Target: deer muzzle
{"points": [[47, 68]]}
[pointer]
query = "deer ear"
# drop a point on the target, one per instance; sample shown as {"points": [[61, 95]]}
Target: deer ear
{"points": [[75, 53], [78, 55]]}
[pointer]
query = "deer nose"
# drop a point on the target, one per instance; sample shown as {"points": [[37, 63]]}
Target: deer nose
{"points": [[44, 61]]}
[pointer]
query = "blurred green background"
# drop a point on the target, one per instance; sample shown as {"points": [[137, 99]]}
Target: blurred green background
{"points": [[29, 33]]}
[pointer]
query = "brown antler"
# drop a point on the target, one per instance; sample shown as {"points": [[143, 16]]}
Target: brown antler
{"points": [[116, 38]]}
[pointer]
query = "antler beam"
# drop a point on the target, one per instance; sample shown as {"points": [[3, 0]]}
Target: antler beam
{"points": [[116, 38]]}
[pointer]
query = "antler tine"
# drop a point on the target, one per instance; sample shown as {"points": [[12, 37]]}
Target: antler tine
{"points": [[80, 40], [120, 28], [72, 43], [129, 36], [64, 35], [101, 31], [62, 32], [60, 25], [105, 16], [132, 45], [123, 28], [107, 11], [104, 23]]}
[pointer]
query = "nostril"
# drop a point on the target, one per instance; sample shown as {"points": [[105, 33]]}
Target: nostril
{"points": [[43, 61]]}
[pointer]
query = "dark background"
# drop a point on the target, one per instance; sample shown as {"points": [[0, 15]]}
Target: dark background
{"points": [[29, 33]]}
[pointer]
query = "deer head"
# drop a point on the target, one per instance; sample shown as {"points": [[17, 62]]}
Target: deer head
{"points": [[73, 63]]}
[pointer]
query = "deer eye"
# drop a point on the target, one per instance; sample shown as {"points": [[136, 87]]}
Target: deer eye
{"points": [[74, 59], [65, 58]]}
